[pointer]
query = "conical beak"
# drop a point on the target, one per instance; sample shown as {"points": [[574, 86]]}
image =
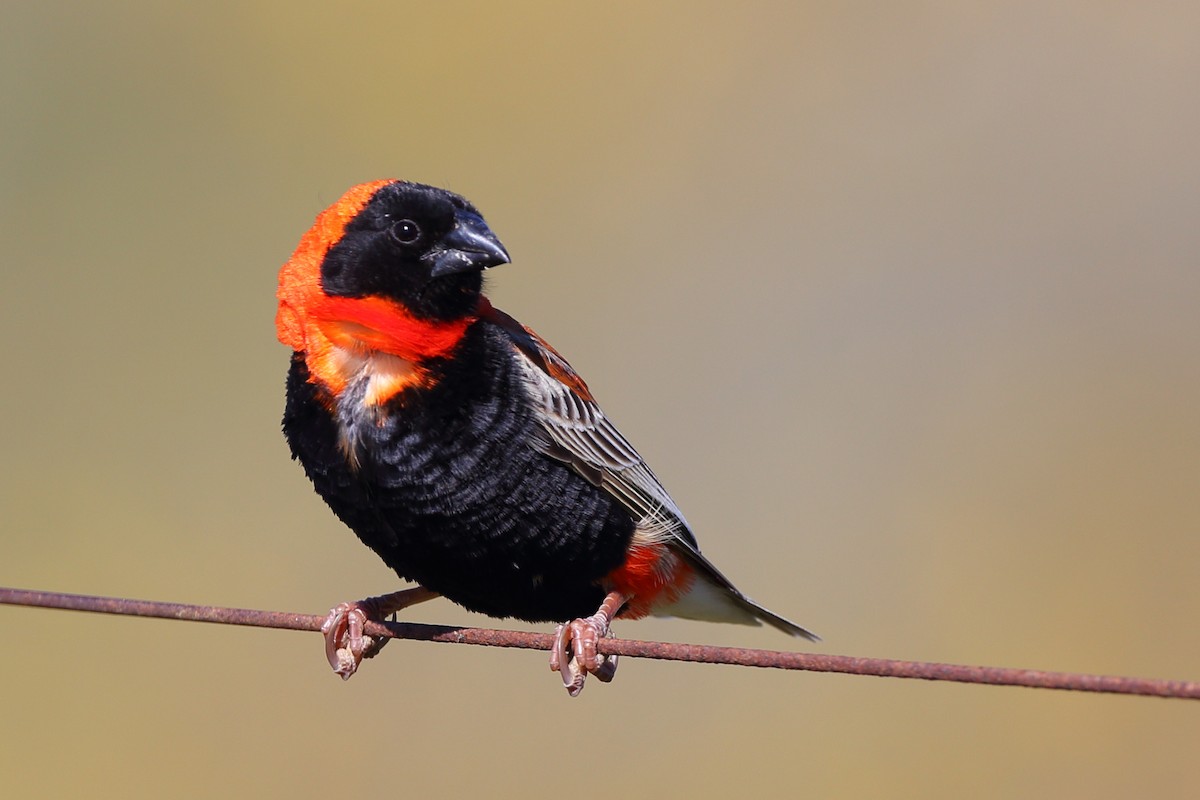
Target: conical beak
{"points": [[470, 245]]}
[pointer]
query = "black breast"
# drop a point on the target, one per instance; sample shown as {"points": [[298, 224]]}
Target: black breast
{"points": [[450, 493]]}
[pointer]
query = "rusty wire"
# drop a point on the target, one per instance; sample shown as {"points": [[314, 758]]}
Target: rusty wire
{"points": [[814, 662]]}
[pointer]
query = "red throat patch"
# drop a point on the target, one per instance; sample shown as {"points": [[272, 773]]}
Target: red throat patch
{"points": [[339, 335]]}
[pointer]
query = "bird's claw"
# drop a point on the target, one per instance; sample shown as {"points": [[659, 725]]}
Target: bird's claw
{"points": [[345, 643], [574, 654]]}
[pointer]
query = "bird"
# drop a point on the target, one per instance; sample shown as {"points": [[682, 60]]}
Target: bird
{"points": [[463, 449]]}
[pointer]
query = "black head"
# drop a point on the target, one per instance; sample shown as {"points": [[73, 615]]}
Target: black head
{"points": [[421, 246]]}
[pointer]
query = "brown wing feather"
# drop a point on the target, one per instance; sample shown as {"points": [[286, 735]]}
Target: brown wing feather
{"points": [[578, 433]]}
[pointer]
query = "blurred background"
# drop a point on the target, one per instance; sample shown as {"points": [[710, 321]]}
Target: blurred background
{"points": [[900, 301]]}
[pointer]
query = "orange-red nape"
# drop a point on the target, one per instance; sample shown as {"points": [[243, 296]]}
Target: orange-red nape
{"points": [[651, 575], [300, 278], [344, 336]]}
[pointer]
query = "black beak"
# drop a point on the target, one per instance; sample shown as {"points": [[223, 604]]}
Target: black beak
{"points": [[470, 245]]}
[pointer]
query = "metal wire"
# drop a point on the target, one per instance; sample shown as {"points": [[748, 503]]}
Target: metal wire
{"points": [[487, 637]]}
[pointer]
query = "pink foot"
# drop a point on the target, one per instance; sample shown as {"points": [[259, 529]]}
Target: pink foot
{"points": [[345, 643], [574, 653]]}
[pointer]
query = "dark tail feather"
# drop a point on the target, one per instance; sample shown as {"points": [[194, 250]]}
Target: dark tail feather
{"points": [[773, 619], [744, 605]]}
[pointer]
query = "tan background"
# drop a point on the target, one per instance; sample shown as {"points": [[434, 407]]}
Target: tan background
{"points": [[899, 299]]}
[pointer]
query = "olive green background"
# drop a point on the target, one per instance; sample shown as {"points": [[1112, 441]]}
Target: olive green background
{"points": [[900, 300]]}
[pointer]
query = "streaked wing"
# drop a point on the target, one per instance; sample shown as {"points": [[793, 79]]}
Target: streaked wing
{"points": [[577, 432]]}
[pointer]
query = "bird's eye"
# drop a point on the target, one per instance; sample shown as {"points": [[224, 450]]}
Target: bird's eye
{"points": [[406, 231]]}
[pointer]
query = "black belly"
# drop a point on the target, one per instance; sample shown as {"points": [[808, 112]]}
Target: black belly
{"points": [[451, 495]]}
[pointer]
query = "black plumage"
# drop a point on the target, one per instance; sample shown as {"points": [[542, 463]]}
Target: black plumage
{"points": [[450, 494]]}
